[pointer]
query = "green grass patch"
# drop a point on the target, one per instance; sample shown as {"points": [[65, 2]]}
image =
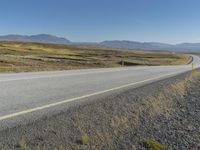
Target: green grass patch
{"points": [[153, 145]]}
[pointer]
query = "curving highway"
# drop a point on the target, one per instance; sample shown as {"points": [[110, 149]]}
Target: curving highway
{"points": [[26, 96]]}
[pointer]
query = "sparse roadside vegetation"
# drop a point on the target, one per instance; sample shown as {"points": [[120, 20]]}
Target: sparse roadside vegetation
{"points": [[84, 138], [23, 144], [158, 116], [153, 145], [22, 57]]}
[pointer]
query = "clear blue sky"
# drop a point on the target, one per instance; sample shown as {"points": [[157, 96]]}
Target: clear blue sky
{"points": [[170, 21]]}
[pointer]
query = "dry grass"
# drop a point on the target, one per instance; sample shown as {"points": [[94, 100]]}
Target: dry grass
{"points": [[18, 56], [154, 145], [84, 138], [160, 104], [23, 144]]}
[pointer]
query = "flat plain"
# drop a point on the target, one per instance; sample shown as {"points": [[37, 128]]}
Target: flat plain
{"points": [[26, 57]]}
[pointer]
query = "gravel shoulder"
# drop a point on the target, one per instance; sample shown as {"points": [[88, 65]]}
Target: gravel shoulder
{"points": [[162, 115]]}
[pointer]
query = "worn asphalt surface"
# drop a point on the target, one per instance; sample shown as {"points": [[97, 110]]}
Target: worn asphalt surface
{"points": [[118, 120], [25, 97]]}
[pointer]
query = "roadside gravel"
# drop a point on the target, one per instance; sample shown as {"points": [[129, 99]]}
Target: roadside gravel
{"points": [[124, 120]]}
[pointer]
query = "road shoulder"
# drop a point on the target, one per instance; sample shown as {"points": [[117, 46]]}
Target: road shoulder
{"points": [[135, 118]]}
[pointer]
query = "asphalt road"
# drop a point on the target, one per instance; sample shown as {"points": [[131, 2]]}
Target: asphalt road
{"points": [[24, 96]]}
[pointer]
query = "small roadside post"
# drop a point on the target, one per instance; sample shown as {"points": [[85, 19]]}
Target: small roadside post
{"points": [[122, 63], [193, 67], [12, 67]]}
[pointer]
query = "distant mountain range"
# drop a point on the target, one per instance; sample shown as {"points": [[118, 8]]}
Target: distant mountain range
{"points": [[186, 47], [46, 38], [136, 45], [40, 38]]}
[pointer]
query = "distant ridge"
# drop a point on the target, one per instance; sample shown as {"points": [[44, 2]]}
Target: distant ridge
{"points": [[136, 45], [40, 38], [186, 47], [47, 38]]}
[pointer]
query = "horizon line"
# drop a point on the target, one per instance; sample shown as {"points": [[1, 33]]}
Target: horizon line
{"points": [[120, 40]]}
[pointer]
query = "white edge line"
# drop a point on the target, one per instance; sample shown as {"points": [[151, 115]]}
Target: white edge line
{"points": [[81, 97]]}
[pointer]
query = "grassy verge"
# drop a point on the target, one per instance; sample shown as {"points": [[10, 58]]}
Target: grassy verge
{"points": [[20, 57], [117, 126]]}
